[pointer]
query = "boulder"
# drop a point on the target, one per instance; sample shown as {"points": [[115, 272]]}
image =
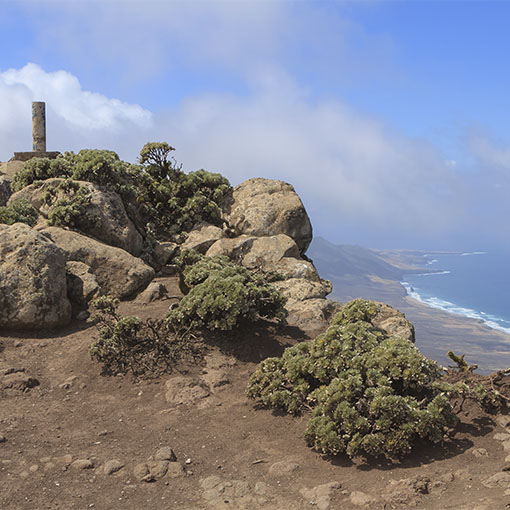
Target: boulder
{"points": [[11, 167], [265, 207], [311, 315], [256, 252], [235, 249], [300, 289], [82, 285], [33, 290], [154, 291], [203, 237], [393, 322], [289, 267], [117, 272], [163, 252], [5, 189], [105, 217], [265, 252]]}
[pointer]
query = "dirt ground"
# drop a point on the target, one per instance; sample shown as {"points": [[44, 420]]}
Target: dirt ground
{"points": [[73, 438]]}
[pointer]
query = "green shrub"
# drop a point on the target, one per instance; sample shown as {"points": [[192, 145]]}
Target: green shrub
{"points": [[370, 394], [174, 201], [158, 196], [21, 211], [129, 344], [68, 202], [98, 166], [223, 295], [40, 169]]}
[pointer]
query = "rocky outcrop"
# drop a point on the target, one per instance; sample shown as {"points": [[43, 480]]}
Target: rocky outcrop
{"points": [[117, 272], [33, 291], [311, 315], [104, 217], [265, 207], [256, 252], [203, 237], [299, 289], [11, 167], [393, 322], [290, 267], [5, 189], [82, 285]]}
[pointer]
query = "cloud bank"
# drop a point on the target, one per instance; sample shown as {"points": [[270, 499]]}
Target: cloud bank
{"points": [[75, 116], [348, 168]]}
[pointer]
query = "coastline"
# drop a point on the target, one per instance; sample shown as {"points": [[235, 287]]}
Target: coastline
{"points": [[437, 331]]}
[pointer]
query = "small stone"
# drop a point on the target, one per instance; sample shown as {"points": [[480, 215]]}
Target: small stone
{"points": [[261, 488], [82, 464], [158, 468], [33, 468], [479, 452], [503, 421], [188, 461], [501, 480], [175, 470], [359, 498], [165, 453], [3, 439], [44, 460], [320, 496], [112, 466], [506, 445], [24, 474], [18, 343], [500, 436], [447, 478], [210, 482], [64, 460], [140, 471], [283, 468], [48, 466]]}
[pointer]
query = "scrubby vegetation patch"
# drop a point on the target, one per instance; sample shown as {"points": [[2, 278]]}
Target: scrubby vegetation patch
{"points": [[370, 394], [222, 296], [20, 211], [127, 344], [160, 198]]}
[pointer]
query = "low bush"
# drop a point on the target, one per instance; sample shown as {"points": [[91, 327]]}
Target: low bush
{"points": [[127, 344], [158, 196], [68, 202], [370, 394], [98, 166], [21, 210], [173, 201], [222, 296]]}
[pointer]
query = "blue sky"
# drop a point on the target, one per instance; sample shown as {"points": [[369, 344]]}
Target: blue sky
{"points": [[389, 118]]}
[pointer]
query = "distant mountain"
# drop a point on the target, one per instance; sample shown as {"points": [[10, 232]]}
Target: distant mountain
{"points": [[334, 261], [357, 272]]}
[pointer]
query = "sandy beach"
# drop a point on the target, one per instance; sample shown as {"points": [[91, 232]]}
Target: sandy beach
{"points": [[436, 331]]}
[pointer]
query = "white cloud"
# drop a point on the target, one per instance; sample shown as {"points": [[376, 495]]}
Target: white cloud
{"points": [[348, 168], [75, 117]]}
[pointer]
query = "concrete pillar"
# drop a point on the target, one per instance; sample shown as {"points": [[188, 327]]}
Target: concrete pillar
{"points": [[39, 126]]}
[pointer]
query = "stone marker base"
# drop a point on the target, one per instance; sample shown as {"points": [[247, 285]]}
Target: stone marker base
{"points": [[25, 156]]}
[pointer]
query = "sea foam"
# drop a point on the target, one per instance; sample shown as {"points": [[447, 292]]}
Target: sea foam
{"points": [[446, 306]]}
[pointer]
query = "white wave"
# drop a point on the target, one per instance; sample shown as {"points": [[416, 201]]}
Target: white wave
{"points": [[433, 261], [441, 304], [432, 274], [467, 254]]}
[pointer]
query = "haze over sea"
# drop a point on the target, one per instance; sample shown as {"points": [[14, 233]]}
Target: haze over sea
{"points": [[475, 285]]}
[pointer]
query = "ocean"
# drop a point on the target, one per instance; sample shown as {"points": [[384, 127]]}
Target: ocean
{"points": [[475, 285]]}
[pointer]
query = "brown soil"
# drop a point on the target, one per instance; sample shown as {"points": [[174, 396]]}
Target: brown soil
{"points": [[228, 447]]}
